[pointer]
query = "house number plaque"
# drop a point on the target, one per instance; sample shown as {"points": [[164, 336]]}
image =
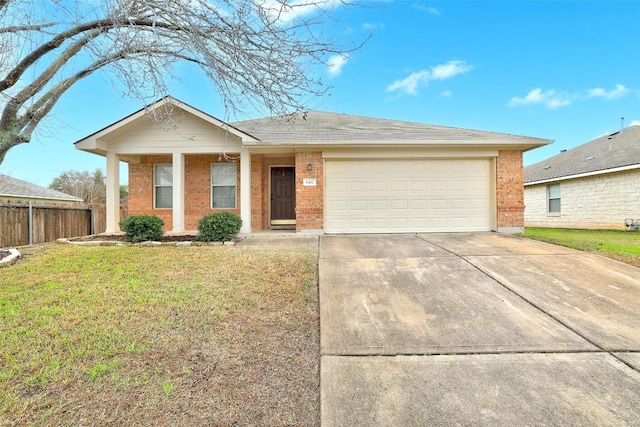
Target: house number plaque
{"points": [[309, 182]]}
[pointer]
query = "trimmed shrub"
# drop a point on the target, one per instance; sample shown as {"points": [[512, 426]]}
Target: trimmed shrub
{"points": [[141, 228], [219, 227]]}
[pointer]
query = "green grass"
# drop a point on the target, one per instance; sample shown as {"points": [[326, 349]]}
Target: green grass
{"points": [[109, 335], [623, 245]]}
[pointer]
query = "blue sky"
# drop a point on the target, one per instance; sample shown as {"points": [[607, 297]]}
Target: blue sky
{"points": [[565, 71]]}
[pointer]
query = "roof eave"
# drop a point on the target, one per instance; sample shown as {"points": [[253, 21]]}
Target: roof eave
{"points": [[583, 175], [56, 199], [401, 143]]}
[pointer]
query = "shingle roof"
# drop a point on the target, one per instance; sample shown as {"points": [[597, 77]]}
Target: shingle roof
{"points": [[18, 188], [319, 127], [617, 150]]}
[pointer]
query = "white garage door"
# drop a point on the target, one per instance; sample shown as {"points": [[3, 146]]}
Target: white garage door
{"points": [[382, 196]]}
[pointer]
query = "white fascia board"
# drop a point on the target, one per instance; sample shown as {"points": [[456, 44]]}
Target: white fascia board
{"points": [[270, 150], [200, 149], [409, 152], [502, 145], [53, 199], [583, 175]]}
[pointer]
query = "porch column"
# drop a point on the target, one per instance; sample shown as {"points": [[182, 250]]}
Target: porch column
{"points": [[113, 193], [245, 190], [178, 193]]}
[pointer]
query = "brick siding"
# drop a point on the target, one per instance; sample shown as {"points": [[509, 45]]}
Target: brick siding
{"points": [[197, 192], [309, 199], [509, 189]]}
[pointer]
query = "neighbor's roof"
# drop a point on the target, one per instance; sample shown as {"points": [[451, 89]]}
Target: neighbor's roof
{"points": [[14, 187], [605, 154], [317, 127]]}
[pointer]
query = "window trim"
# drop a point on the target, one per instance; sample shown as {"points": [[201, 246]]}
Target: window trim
{"points": [[235, 185], [155, 185], [558, 198]]}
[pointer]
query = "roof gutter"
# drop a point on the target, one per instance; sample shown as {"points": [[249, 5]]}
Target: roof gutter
{"points": [[398, 143], [583, 175], [54, 199]]}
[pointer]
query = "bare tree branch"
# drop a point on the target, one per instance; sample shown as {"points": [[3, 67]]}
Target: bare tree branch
{"points": [[257, 53], [20, 28]]}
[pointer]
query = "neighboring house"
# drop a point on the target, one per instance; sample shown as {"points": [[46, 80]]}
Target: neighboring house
{"points": [[595, 185], [316, 173], [16, 190]]}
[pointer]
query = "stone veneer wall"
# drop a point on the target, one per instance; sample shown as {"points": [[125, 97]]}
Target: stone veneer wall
{"points": [[601, 201]]}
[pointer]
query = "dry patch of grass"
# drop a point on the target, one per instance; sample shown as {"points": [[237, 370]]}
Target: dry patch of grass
{"points": [[160, 336]]}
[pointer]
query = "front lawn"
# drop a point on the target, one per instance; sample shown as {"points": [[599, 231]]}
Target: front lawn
{"points": [[205, 335], [621, 245]]}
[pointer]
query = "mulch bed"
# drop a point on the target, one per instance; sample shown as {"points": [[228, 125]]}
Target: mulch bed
{"points": [[4, 253]]}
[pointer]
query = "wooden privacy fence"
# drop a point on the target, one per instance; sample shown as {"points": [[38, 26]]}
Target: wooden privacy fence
{"points": [[26, 223]]}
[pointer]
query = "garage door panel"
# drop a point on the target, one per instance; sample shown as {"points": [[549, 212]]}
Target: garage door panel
{"points": [[419, 185], [337, 186], [399, 204], [399, 186], [407, 195], [358, 186], [337, 205], [379, 205], [479, 186], [438, 185], [358, 205], [379, 186], [418, 222], [419, 204]]}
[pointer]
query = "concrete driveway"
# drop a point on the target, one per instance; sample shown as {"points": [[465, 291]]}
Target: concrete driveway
{"points": [[476, 329]]}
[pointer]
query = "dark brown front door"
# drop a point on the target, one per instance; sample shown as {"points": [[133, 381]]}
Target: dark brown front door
{"points": [[283, 195]]}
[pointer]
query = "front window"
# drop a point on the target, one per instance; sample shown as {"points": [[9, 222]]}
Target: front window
{"points": [[554, 198], [163, 185], [224, 178]]}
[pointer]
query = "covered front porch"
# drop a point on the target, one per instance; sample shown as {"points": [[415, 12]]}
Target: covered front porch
{"points": [[184, 164], [180, 188]]}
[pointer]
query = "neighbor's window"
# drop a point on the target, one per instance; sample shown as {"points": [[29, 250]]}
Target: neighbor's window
{"points": [[223, 185], [163, 185], [554, 198]]}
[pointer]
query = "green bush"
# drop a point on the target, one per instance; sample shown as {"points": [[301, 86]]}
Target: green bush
{"points": [[219, 227], [141, 228]]}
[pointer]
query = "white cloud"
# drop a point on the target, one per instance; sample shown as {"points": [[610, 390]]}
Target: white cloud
{"points": [[446, 93], [335, 64], [619, 91], [284, 12], [439, 72], [634, 123], [430, 9], [551, 99], [370, 26], [409, 84], [558, 101], [450, 69]]}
